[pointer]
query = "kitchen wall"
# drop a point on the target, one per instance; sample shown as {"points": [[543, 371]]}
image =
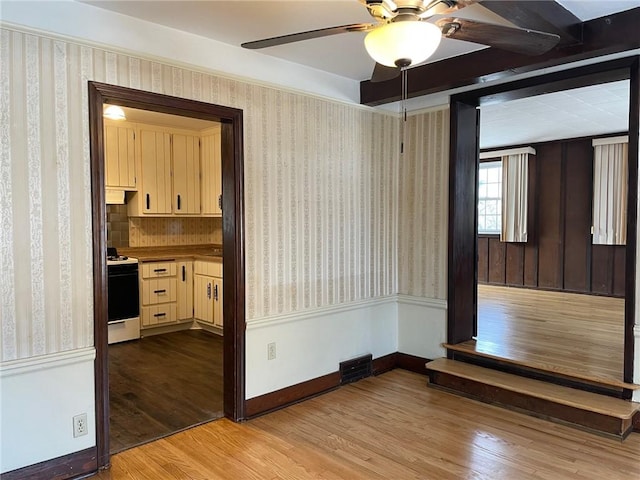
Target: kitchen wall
{"points": [[321, 196]]}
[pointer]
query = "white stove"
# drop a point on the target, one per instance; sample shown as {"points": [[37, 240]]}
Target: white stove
{"points": [[121, 260]]}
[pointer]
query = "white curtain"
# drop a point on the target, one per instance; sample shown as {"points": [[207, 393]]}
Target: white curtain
{"points": [[515, 188], [610, 183]]}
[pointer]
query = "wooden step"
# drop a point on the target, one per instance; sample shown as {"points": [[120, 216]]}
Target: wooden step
{"points": [[469, 350], [586, 410]]}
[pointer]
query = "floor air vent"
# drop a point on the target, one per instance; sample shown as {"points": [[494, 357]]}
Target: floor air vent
{"points": [[355, 369]]}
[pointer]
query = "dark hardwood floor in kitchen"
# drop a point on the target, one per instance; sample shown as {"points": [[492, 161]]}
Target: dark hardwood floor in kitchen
{"points": [[162, 384]]}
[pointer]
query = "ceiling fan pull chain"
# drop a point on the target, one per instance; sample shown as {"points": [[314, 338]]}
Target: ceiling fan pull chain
{"points": [[403, 108]]}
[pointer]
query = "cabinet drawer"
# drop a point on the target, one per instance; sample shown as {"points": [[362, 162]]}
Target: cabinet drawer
{"points": [[210, 269], [158, 314], [158, 269], [158, 290]]}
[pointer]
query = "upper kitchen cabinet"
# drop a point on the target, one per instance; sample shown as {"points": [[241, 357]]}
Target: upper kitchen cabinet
{"points": [[186, 174], [119, 153], [154, 193], [211, 161]]}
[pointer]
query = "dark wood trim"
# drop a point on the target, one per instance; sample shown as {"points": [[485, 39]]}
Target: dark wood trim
{"points": [[99, 232], [462, 239], [412, 363], [290, 395], [233, 239], [384, 364], [462, 262], [632, 219], [74, 465], [600, 36]]}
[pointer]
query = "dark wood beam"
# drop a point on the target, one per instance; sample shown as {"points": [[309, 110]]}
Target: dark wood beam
{"points": [[601, 36], [542, 15]]}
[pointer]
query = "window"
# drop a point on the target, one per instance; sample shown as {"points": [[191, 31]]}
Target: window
{"points": [[490, 197]]}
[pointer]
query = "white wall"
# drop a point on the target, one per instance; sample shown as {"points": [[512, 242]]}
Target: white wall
{"points": [[40, 397], [422, 326], [313, 344]]}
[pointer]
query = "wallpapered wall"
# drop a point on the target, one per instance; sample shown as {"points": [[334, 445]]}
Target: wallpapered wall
{"points": [[424, 174], [320, 190]]}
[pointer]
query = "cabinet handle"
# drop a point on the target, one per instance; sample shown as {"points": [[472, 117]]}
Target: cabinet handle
{"points": [[160, 291], [208, 290], [178, 202], [160, 270], [215, 292], [184, 273], [160, 314], [220, 202], [148, 202]]}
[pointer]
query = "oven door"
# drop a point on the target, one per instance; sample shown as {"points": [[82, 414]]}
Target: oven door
{"points": [[124, 298]]}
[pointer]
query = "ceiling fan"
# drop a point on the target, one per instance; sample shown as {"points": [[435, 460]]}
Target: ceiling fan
{"points": [[403, 36]]}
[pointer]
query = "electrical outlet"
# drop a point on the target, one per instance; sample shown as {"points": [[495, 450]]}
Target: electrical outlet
{"points": [[271, 351], [80, 426]]}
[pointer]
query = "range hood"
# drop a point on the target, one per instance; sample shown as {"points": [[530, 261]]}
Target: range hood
{"points": [[114, 197]]}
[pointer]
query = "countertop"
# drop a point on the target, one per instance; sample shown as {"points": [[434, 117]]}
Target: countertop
{"points": [[178, 252]]}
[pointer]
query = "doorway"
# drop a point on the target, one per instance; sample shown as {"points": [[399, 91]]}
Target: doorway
{"points": [[231, 121], [463, 247]]}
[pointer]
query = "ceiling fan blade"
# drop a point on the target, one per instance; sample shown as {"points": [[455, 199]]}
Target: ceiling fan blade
{"points": [[297, 37], [382, 73], [513, 39]]}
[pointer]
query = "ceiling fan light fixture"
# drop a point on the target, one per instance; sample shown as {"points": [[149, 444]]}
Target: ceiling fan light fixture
{"points": [[414, 41]]}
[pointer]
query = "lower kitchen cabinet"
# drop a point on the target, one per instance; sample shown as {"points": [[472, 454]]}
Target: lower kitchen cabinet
{"points": [[184, 301], [207, 292], [159, 292]]}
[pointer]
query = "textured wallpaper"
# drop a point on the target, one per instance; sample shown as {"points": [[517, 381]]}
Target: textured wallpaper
{"points": [[164, 231], [423, 206], [321, 186]]}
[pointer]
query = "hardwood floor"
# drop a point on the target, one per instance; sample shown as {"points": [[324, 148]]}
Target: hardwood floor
{"points": [[386, 427], [162, 384], [564, 332]]}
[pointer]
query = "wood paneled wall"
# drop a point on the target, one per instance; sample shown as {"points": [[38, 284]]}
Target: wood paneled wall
{"points": [[559, 254]]}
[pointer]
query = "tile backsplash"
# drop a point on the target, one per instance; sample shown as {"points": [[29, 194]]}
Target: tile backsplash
{"points": [[165, 231], [124, 231], [117, 226]]}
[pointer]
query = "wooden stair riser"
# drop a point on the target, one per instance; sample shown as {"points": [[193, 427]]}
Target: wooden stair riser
{"points": [[536, 374], [542, 408]]}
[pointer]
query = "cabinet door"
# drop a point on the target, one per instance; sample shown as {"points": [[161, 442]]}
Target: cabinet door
{"points": [[218, 317], [155, 159], [203, 298], [185, 290], [211, 174], [186, 174], [119, 153]]}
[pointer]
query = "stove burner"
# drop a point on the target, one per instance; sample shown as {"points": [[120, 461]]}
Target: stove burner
{"points": [[115, 258]]}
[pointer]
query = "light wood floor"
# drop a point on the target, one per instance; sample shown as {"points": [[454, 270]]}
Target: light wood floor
{"points": [[565, 332], [386, 427]]}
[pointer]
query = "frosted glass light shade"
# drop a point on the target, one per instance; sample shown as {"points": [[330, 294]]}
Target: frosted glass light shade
{"points": [[410, 40], [114, 112]]}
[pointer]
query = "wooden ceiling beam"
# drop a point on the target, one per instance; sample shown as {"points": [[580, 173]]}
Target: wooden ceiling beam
{"points": [[600, 36], [542, 15]]}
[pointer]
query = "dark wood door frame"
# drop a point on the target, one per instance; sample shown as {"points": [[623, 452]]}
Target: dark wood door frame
{"points": [[232, 231], [463, 171]]}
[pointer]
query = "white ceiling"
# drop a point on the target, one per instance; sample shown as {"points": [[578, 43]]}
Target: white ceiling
{"points": [[562, 115], [237, 21], [580, 112]]}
